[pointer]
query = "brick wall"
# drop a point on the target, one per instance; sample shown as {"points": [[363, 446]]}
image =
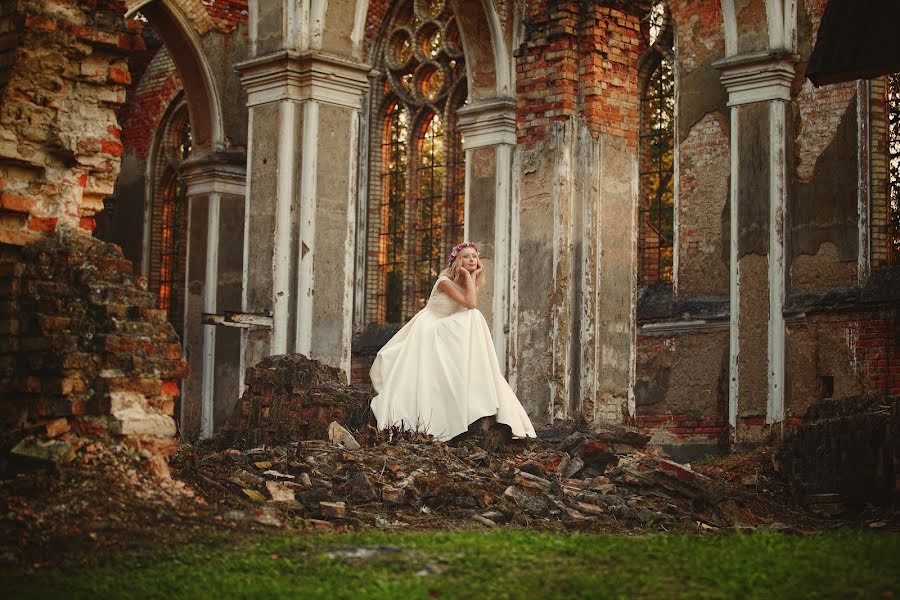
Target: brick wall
{"points": [[579, 59], [61, 148], [83, 342], [879, 112], [148, 102], [291, 397]]}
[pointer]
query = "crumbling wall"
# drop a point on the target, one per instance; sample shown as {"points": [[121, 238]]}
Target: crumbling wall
{"points": [[848, 448], [84, 346], [681, 389], [824, 216], [703, 151], [148, 100], [290, 397], [60, 146]]}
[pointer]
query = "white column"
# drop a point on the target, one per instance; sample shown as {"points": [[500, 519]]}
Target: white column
{"points": [[751, 79], [210, 176], [486, 124]]}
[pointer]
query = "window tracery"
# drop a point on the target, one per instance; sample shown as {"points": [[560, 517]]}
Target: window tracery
{"points": [[417, 201]]}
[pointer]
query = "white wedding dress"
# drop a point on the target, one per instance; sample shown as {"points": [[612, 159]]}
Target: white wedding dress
{"points": [[440, 373]]}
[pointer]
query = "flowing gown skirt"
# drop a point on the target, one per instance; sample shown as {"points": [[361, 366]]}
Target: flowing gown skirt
{"points": [[440, 373]]}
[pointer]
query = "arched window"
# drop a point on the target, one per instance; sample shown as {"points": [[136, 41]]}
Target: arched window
{"points": [[657, 154], [416, 194], [168, 213], [893, 96]]}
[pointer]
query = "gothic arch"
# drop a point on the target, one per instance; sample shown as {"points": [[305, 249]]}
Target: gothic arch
{"points": [[178, 33]]}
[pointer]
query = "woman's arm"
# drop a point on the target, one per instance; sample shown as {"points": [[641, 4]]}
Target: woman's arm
{"points": [[467, 296]]}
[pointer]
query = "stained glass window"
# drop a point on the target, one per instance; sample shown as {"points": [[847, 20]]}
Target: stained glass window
{"points": [[417, 207], [169, 214], [657, 160]]}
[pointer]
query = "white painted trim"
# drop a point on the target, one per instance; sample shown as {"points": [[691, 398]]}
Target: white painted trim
{"points": [[307, 239], [359, 27], [207, 176], [467, 196], [362, 216], [294, 29], [216, 119], [210, 292], [512, 344], [488, 123], [148, 217], [729, 27], [734, 283], [245, 271], [253, 25], [135, 7], [289, 75], [756, 78], [184, 311], [498, 45], [635, 223], [690, 326], [350, 250], [281, 259], [864, 174], [775, 19], [500, 301], [317, 11], [778, 178], [790, 25]]}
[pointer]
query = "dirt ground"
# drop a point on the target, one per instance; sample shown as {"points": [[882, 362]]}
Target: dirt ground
{"points": [[106, 496]]}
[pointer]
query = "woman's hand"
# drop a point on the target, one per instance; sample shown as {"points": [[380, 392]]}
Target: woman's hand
{"points": [[478, 270], [466, 278]]}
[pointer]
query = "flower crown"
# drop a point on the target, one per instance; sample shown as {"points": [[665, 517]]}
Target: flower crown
{"points": [[456, 250]]}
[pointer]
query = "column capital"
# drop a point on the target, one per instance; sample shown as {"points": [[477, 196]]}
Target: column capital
{"points": [[757, 77], [488, 123], [212, 173], [290, 75]]}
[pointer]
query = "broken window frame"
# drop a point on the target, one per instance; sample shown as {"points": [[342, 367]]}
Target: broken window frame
{"points": [[168, 212], [656, 211]]}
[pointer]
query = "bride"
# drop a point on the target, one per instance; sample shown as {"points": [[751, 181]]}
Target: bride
{"points": [[440, 373]]}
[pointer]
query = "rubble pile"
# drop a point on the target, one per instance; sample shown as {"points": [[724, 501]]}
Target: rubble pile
{"points": [[291, 397], [71, 493], [607, 480]]}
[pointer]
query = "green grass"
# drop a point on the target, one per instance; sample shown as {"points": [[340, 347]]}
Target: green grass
{"points": [[502, 564]]}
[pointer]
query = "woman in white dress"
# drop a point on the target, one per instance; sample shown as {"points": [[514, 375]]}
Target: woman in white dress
{"points": [[440, 373]]}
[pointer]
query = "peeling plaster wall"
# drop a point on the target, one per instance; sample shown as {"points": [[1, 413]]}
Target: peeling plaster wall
{"points": [[824, 215], [703, 209], [576, 275], [753, 26]]}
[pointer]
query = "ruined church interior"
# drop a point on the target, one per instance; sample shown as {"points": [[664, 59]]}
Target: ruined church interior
{"points": [[682, 232]]}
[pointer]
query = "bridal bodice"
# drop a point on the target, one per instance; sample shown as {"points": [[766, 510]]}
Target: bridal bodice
{"points": [[440, 302]]}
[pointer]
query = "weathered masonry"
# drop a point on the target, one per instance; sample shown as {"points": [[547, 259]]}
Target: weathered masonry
{"points": [[680, 230]]}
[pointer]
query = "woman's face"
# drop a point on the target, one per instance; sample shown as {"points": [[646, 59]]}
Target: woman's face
{"points": [[468, 259]]}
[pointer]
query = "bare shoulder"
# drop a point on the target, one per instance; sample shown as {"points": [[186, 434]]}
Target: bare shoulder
{"points": [[446, 285]]}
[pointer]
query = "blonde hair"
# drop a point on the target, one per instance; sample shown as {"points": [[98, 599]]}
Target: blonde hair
{"points": [[452, 271]]}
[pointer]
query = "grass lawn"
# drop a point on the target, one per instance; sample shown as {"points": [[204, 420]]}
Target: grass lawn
{"points": [[500, 564]]}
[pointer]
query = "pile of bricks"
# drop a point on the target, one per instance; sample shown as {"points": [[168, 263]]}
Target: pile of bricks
{"points": [[846, 447], [84, 346], [290, 397]]}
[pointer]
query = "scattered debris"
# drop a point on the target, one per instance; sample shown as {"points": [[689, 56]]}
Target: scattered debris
{"points": [[111, 493]]}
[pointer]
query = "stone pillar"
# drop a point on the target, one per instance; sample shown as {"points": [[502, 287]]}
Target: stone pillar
{"points": [[216, 187], [759, 88], [301, 205], [489, 140]]}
